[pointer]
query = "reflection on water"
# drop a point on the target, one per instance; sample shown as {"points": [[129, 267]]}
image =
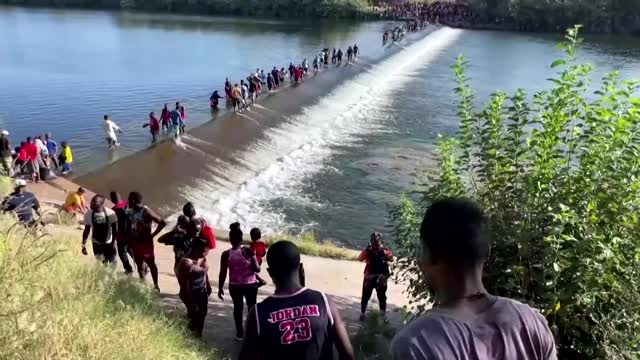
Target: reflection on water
{"points": [[66, 69]]}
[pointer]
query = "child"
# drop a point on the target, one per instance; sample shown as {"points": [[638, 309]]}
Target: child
{"points": [[259, 247], [66, 158]]}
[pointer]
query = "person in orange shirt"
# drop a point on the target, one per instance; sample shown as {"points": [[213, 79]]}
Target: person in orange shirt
{"points": [[376, 273], [75, 202]]}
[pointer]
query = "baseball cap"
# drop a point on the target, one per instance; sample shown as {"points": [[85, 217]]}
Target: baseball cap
{"points": [[5, 133], [20, 183]]}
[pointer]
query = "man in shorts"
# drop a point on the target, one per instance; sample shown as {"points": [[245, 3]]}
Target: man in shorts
{"points": [[102, 223], [140, 235], [296, 322]]}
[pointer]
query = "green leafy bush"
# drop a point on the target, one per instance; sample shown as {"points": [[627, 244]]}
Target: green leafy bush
{"points": [[373, 338], [559, 179]]}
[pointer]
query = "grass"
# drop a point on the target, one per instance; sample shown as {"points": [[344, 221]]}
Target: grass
{"points": [[310, 245], [53, 305], [373, 339]]}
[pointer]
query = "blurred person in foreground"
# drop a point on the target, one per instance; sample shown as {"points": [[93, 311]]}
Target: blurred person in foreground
{"points": [[466, 322], [295, 322], [22, 203]]}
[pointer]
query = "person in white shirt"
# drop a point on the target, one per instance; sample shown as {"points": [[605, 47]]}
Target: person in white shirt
{"points": [[102, 222], [110, 129]]}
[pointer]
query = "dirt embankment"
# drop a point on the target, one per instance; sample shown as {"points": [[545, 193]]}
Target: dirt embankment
{"points": [[340, 279]]}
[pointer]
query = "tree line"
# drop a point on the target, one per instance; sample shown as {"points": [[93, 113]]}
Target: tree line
{"points": [[277, 8], [599, 16]]}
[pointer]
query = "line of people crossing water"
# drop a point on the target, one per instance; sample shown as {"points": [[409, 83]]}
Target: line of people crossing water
{"points": [[241, 96], [466, 322]]}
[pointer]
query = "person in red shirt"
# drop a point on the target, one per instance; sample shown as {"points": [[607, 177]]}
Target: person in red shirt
{"points": [[376, 273], [21, 158], [259, 247], [165, 118], [33, 167], [154, 126]]}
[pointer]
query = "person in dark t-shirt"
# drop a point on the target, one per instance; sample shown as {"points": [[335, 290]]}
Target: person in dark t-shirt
{"points": [[466, 321], [124, 250], [296, 322], [22, 203], [102, 223]]}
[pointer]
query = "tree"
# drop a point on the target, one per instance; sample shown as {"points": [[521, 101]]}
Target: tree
{"points": [[559, 179]]}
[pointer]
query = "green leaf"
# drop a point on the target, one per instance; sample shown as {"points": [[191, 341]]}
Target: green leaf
{"points": [[558, 62]]}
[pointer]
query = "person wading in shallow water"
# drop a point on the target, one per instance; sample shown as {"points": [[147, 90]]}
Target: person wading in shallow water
{"points": [[466, 322], [296, 322], [243, 266], [165, 118], [376, 273], [138, 231], [195, 287]]}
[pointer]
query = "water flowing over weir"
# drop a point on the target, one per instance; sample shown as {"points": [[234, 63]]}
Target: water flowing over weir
{"points": [[250, 167], [276, 165]]}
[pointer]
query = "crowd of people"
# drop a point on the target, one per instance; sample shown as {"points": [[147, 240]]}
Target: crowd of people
{"points": [[301, 323], [442, 12], [35, 157], [241, 96]]}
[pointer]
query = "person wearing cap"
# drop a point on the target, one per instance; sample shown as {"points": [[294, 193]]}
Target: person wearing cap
{"points": [[22, 203], [75, 202], [5, 153], [376, 273]]}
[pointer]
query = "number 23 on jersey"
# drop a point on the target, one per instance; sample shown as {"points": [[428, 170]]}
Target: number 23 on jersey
{"points": [[295, 330]]}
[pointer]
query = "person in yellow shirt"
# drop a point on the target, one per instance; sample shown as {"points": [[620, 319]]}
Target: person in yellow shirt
{"points": [[76, 202], [66, 158]]}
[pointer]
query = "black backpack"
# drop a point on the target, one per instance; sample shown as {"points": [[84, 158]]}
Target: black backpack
{"points": [[378, 264]]}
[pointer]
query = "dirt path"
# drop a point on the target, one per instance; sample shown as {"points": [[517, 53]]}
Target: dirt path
{"points": [[342, 280]]}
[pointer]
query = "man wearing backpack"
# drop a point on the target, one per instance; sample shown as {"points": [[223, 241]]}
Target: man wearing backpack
{"points": [[103, 225], [376, 273]]}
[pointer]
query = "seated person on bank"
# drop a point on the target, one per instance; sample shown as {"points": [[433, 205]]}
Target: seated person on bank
{"points": [[75, 202], [22, 203]]}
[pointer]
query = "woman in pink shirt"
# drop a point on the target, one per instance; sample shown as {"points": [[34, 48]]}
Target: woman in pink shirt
{"points": [[243, 266]]}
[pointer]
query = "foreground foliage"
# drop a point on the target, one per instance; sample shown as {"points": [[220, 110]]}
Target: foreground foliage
{"points": [[559, 178], [55, 306], [373, 339]]}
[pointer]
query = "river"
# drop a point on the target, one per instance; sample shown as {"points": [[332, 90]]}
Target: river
{"points": [[333, 162]]}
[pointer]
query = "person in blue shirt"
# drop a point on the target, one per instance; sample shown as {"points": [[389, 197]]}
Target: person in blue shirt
{"points": [[22, 203], [176, 121], [52, 147]]}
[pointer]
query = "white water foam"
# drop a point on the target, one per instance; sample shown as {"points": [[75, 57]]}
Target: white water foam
{"points": [[298, 149]]}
